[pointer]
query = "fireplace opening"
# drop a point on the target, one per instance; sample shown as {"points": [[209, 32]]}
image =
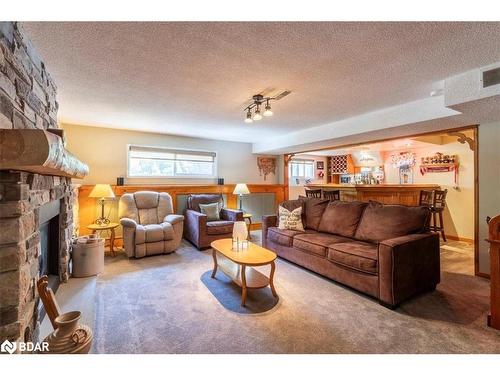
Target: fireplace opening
{"points": [[49, 242]]}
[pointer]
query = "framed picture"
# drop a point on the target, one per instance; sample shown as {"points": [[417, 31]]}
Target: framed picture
{"points": [[320, 165], [405, 175]]}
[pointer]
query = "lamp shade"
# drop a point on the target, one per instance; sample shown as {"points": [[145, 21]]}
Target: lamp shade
{"points": [[102, 191], [240, 231], [241, 189]]}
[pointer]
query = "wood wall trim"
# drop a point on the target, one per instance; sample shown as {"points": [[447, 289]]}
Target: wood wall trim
{"points": [[86, 211], [476, 205]]}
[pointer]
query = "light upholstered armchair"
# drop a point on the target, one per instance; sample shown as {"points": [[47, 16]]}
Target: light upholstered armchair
{"points": [[149, 225]]}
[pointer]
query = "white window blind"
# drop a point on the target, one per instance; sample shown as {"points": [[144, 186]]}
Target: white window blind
{"points": [[144, 161]]}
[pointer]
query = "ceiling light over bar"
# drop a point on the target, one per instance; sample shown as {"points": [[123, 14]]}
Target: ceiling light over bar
{"points": [[259, 100]]}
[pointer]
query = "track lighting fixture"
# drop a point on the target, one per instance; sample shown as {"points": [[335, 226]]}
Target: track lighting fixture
{"points": [[257, 101]]}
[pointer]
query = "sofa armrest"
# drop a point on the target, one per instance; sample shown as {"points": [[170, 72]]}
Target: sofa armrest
{"points": [[129, 223], [193, 216], [172, 219], [231, 215], [268, 221], [195, 224], [408, 265]]}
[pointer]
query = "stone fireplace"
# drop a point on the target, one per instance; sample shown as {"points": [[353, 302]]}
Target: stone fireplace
{"points": [[23, 204], [36, 194]]}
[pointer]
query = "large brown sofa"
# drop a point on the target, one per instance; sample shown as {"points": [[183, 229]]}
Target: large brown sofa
{"points": [[385, 251], [201, 232]]}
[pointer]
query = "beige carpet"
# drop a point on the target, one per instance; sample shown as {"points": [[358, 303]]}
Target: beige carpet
{"points": [[162, 304]]}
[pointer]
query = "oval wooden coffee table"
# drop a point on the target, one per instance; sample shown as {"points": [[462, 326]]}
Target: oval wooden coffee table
{"points": [[238, 265]]}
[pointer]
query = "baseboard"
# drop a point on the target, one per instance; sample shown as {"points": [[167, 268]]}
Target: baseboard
{"points": [[482, 274], [462, 239]]}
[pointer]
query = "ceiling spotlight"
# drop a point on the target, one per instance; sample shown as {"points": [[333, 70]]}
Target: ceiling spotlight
{"points": [[249, 120], [257, 116], [268, 111]]}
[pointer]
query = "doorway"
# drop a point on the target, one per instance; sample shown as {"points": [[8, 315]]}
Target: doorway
{"points": [[445, 160]]}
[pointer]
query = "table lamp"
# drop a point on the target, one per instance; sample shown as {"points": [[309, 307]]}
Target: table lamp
{"points": [[102, 191], [240, 235], [241, 189]]}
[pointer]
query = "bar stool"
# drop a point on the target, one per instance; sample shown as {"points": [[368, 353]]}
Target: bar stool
{"points": [[437, 208], [333, 195], [436, 201], [313, 193], [426, 197]]}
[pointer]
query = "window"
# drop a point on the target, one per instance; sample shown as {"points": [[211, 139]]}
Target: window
{"points": [[302, 168], [144, 161]]}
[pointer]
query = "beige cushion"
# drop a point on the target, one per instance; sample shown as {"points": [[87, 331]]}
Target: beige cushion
{"points": [[148, 216], [146, 199], [145, 207], [168, 231], [154, 233], [158, 232], [140, 234], [291, 220], [127, 208]]}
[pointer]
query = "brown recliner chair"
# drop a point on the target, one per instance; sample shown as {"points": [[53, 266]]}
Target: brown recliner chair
{"points": [[201, 232]]}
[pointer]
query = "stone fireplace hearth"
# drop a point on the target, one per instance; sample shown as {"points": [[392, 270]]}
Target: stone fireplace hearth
{"points": [[36, 194]]}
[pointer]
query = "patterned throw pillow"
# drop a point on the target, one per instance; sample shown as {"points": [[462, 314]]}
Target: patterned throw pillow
{"points": [[290, 219], [211, 210]]}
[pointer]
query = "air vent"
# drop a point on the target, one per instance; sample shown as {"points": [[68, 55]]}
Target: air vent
{"points": [[491, 77]]}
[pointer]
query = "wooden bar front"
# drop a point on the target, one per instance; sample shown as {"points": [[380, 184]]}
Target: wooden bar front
{"points": [[408, 195]]}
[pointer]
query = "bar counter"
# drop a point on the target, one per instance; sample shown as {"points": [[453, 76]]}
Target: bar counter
{"points": [[385, 193]]}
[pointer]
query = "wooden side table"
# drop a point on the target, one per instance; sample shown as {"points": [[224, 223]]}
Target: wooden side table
{"points": [[111, 227], [249, 225]]}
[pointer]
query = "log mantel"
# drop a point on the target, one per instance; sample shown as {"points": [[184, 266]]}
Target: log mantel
{"points": [[38, 151]]}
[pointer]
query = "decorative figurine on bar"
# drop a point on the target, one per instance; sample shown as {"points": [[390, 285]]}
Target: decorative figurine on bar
{"points": [[240, 235]]}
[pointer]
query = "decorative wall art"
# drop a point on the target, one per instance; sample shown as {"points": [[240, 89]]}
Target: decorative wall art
{"points": [[440, 163], [320, 165], [405, 175], [404, 161], [266, 166]]}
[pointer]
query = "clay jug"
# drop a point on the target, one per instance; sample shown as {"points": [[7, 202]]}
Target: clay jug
{"points": [[70, 337]]}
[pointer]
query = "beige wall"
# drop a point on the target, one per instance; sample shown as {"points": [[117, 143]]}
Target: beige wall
{"points": [[105, 151], [295, 190], [459, 214], [489, 186]]}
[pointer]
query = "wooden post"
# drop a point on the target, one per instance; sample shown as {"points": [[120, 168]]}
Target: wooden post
{"points": [[494, 240], [286, 158]]}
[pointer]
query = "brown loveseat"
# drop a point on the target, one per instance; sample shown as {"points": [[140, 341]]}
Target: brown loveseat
{"points": [[201, 232], [385, 251]]}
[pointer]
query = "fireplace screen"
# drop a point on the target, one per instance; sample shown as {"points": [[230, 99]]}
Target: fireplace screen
{"points": [[49, 242]]}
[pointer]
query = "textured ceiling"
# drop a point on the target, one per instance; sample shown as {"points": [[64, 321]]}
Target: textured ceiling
{"points": [[195, 78]]}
